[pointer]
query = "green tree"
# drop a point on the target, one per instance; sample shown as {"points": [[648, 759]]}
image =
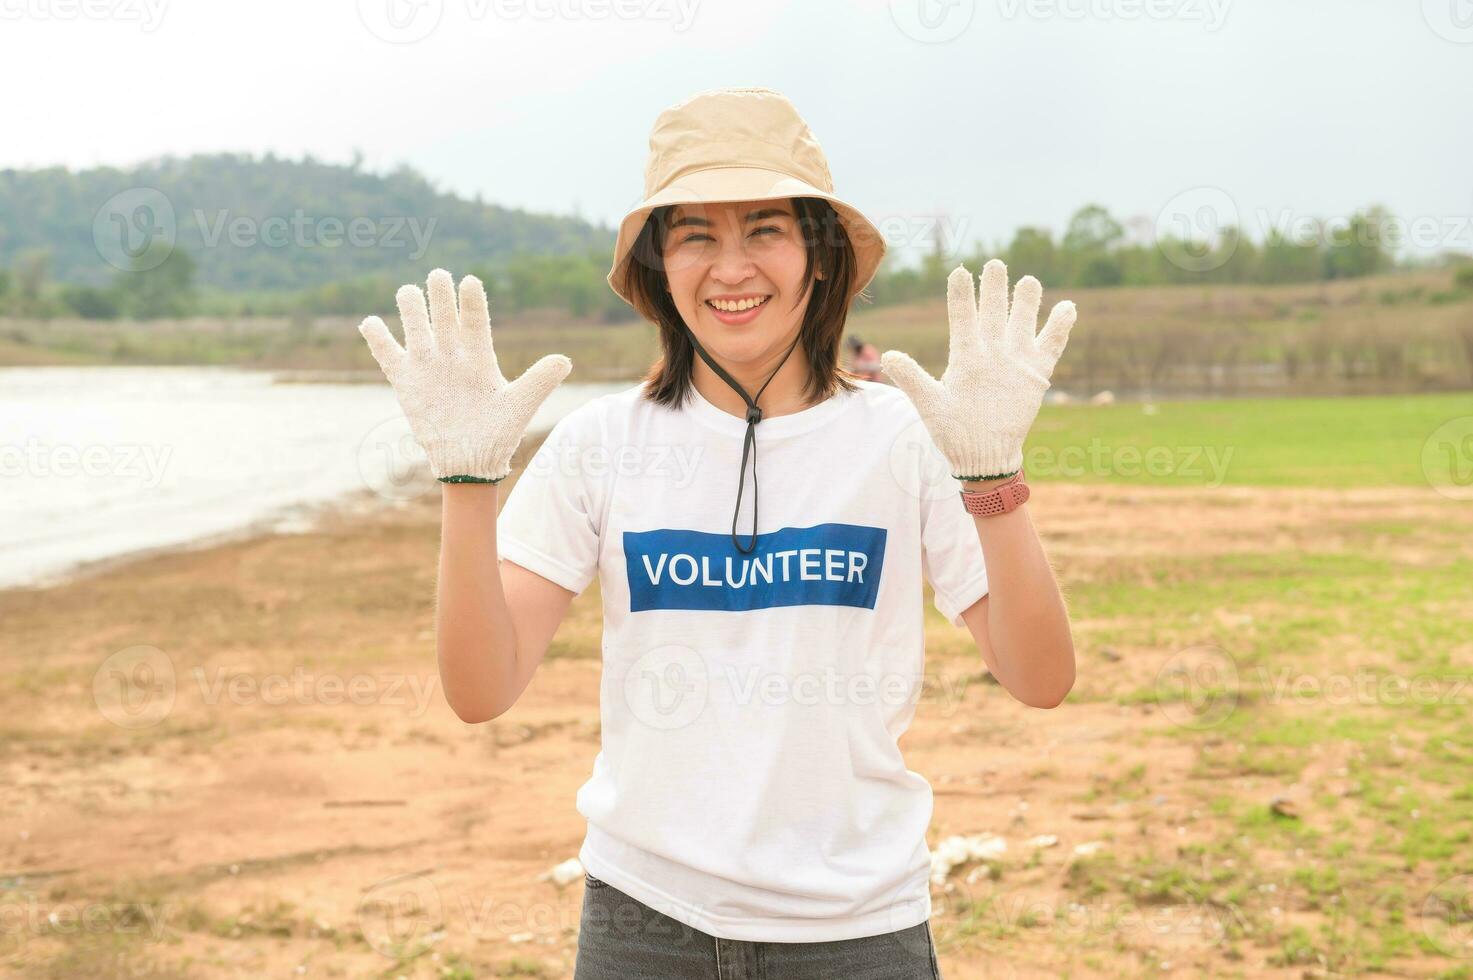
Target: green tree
{"points": [[1032, 252], [153, 291]]}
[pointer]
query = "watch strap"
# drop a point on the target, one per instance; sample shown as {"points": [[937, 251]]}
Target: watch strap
{"points": [[1001, 499]]}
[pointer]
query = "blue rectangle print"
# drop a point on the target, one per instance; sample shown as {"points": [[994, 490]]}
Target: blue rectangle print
{"points": [[824, 565]]}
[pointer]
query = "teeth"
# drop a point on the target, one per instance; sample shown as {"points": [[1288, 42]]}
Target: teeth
{"points": [[727, 306]]}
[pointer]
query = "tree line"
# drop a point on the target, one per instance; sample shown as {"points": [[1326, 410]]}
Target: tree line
{"points": [[1093, 251]]}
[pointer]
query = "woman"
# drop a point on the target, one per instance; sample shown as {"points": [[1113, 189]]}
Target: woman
{"points": [[750, 812]]}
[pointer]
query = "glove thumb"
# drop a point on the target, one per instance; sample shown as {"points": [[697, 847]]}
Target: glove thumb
{"points": [[528, 392], [923, 390]]}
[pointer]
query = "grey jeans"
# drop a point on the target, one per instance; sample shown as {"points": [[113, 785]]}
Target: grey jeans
{"points": [[621, 938]]}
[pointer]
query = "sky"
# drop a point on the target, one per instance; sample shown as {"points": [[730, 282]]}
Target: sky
{"points": [[964, 118]]}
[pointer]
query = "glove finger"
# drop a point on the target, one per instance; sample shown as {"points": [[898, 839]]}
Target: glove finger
{"points": [[475, 325], [1056, 332], [992, 305], [418, 339], [924, 391], [443, 319], [385, 349], [527, 393], [961, 313], [1023, 317]]}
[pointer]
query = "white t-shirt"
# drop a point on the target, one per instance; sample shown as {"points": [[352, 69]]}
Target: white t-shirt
{"points": [[749, 783]]}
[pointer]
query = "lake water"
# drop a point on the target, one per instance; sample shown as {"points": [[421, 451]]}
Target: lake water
{"points": [[101, 462]]}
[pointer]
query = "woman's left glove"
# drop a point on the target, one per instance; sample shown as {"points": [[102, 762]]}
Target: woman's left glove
{"points": [[997, 370]]}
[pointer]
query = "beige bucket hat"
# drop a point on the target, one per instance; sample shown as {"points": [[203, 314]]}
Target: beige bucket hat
{"points": [[739, 144]]}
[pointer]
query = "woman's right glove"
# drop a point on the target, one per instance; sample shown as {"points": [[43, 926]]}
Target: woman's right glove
{"points": [[465, 415]]}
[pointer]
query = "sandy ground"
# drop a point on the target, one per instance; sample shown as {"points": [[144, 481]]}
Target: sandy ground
{"points": [[237, 762]]}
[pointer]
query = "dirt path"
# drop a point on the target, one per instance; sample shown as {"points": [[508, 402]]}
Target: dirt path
{"points": [[237, 762]]}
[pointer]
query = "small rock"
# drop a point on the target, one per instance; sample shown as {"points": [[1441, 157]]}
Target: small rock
{"points": [[566, 873], [1284, 806]]}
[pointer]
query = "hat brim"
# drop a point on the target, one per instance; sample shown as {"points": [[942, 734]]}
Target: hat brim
{"points": [[720, 185]]}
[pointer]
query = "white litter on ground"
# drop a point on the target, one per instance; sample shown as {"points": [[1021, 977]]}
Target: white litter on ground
{"points": [[959, 850]]}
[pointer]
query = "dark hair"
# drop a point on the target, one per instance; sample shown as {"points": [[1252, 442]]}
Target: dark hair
{"points": [[829, 249]]}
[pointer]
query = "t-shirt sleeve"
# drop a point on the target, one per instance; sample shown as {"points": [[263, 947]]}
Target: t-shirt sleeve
{"points": [[951, 555], [550, 522]]}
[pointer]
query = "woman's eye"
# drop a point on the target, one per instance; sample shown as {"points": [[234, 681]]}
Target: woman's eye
{"points": [[698, 236]]}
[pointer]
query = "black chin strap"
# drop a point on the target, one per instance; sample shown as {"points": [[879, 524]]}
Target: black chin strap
{"points": [[749, 444]]}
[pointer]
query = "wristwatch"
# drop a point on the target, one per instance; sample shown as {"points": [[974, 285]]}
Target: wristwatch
{"points": [[1001, 499]]}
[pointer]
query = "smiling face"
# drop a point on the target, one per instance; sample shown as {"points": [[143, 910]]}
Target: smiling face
{"points": [[735, 272]]}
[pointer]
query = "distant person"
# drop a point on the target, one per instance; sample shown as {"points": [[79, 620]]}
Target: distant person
{"points": [[864, 360]]}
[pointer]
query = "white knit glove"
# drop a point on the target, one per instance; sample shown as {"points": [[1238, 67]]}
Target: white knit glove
{"points": [[997, 370], [464, 414]]}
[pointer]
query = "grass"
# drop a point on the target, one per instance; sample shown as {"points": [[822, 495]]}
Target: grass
{"points": [[1369, 441]]}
